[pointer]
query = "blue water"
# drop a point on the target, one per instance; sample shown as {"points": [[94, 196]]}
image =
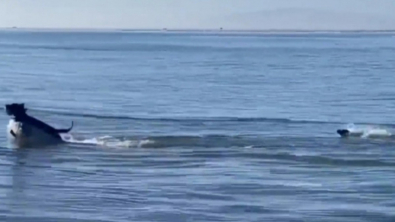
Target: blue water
{"points": [[201, 127]]}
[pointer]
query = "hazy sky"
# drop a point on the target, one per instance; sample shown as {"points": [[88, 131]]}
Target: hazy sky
{"points": [[231, 14]]}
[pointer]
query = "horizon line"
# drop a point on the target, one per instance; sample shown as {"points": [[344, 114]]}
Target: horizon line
{"points": [[221, 29]]}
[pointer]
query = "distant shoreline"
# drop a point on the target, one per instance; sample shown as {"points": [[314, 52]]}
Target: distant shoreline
{"points": [[216, 31]]}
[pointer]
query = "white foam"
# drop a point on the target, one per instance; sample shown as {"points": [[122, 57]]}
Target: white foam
{"points": [[107, 141], [377, 133], [369, 131]]}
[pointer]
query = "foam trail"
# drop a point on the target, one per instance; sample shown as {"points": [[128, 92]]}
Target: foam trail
{"points": [[106, 141], [369, 131], [377, 133]]}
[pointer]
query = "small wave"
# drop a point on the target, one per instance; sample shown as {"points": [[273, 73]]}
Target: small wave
{"points": [[244, 141], [107, 141], [270, 152], [185, 141], [127, 47], [181, 119], [151, 142], [320, 160]]}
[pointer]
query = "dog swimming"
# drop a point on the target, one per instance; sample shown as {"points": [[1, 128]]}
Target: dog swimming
{"points": [[26, 130]]}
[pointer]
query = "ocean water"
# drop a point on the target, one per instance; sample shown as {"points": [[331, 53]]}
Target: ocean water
{"points": [[201, 126]]}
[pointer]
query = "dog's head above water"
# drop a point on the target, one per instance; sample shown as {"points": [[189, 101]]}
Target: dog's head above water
{"points": [[15, 109]]}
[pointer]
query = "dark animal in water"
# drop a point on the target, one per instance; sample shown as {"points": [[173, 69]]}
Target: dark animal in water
{"points": [[25, 126]]}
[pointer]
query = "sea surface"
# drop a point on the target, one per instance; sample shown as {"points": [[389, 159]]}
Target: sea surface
{"points": [[182, 126]]}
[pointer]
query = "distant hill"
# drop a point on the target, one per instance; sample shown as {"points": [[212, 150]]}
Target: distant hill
{"points": [[302, 19]]}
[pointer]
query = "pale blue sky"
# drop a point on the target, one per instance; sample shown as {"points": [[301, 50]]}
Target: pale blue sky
{"points": [[231, 14]]}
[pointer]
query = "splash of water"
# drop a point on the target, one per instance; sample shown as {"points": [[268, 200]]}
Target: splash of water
{"points": [[369, 131], [106, 141]]}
